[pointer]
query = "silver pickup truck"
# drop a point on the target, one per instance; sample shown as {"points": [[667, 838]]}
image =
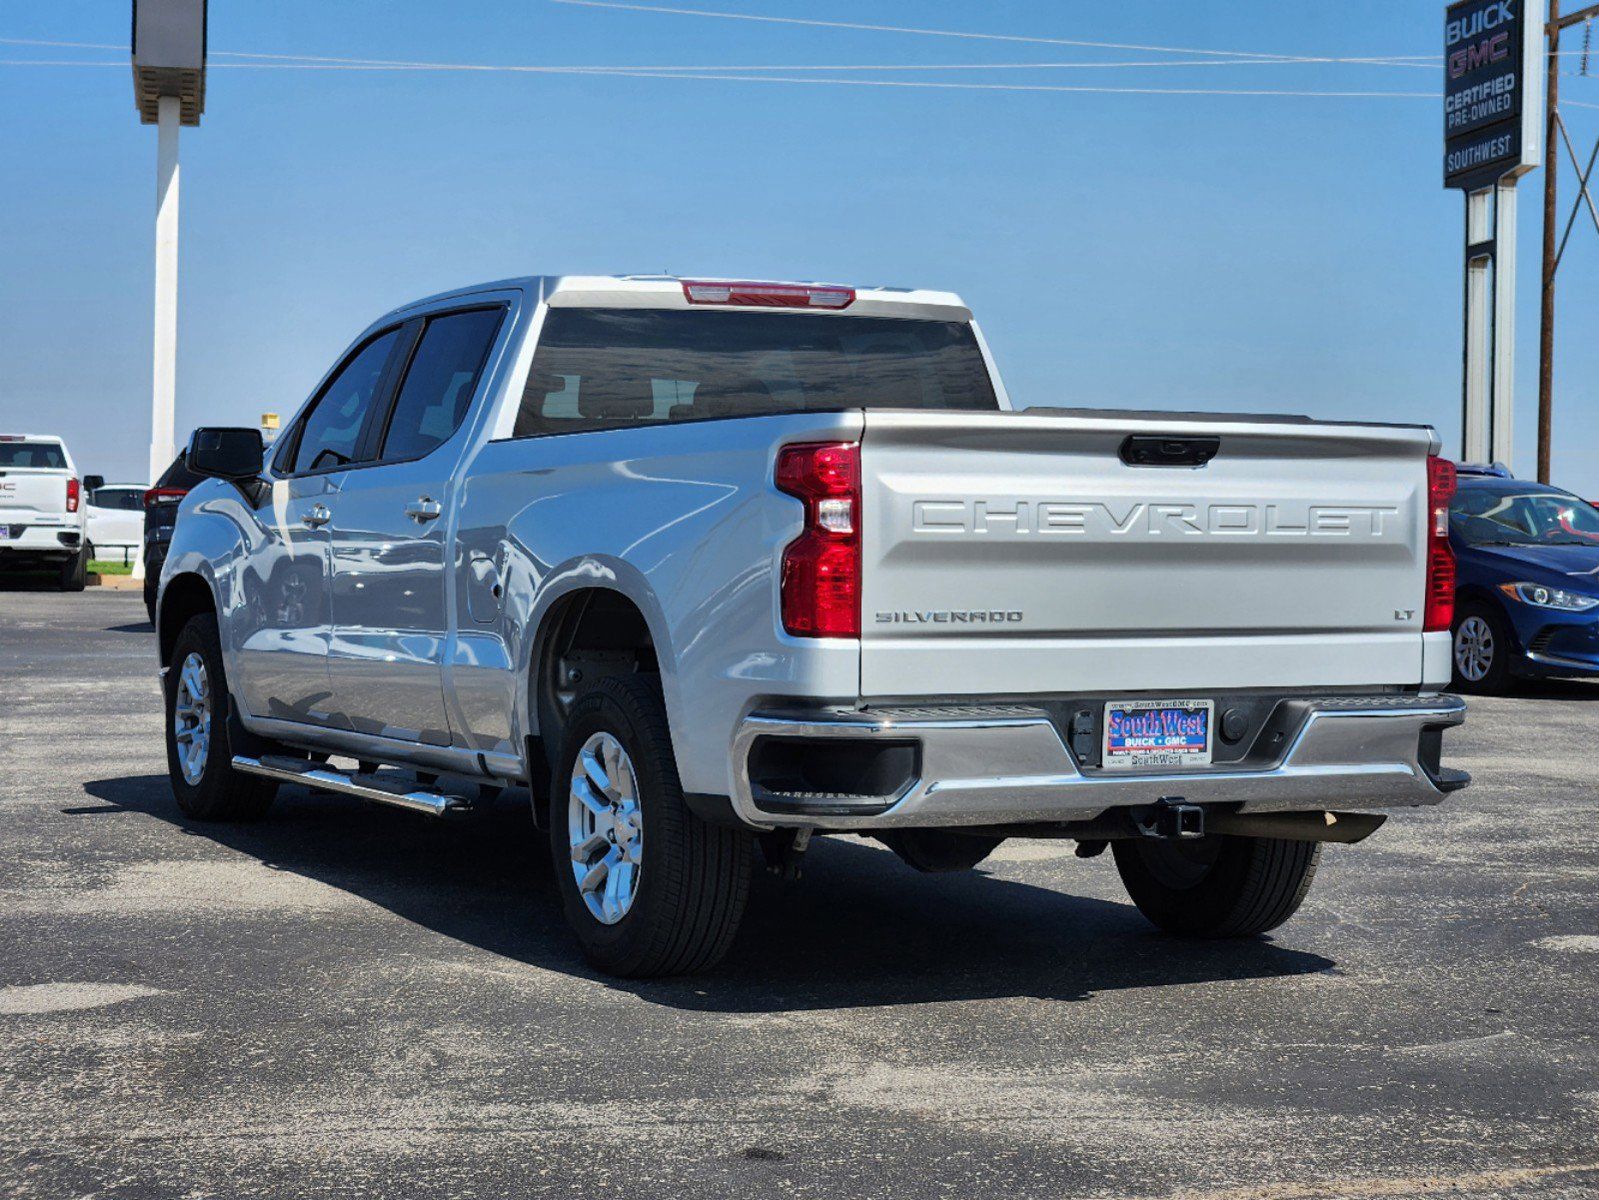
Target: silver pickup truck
{"points": [[710, 567]]}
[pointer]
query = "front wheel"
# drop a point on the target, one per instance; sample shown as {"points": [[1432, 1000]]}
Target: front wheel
{"points": [[1481, 649], [1217, 886], [199, 761], [648, 887]]}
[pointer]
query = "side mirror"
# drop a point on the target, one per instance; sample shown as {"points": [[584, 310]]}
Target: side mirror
{"points": [[235, 455], [93, 483]]}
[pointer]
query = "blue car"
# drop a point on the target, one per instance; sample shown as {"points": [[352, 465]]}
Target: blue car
{"points": [[1527, 584]]}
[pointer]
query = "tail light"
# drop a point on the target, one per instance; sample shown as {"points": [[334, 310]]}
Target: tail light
{"points": [[161, 495], [1439, 611], [74, 495], [821, 580], [767, 295]]}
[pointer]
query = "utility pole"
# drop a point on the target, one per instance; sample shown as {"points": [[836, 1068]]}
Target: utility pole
{"points": [[1551, 166]]}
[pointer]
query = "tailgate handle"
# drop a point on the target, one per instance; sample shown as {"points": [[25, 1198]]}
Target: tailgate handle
{"points": [[1157, 450]]}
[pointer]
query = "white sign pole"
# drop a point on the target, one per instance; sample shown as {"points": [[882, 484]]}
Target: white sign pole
{"points": [[1502, 418], [1474, 434], [165, 377]]}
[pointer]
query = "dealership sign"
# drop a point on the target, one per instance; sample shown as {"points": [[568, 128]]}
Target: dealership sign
{"points": [[1491, 100]]}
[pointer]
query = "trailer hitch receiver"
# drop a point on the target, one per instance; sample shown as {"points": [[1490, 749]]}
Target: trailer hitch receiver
{"points": [[1170, 820]]}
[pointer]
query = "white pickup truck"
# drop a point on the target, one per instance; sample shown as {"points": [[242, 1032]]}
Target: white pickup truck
{"points": [[712, 567], [43, 509]]}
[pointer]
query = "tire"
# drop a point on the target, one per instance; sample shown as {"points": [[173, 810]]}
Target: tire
{"points": [[675, 907], [206, 785], [937, 851], [75, 571], [1480, 627], [1217, 887]]}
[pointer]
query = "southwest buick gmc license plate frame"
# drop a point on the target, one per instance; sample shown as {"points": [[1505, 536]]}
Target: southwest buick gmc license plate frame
{"points": [[1157, 734]]}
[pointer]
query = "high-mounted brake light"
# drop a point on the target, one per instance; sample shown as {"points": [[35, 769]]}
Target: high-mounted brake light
{"points": [[821, 580], [767, 295], [161, 495], [1439, 609], [74, 495]]}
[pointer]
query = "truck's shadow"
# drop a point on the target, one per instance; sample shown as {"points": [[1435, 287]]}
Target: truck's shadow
{"points": [[861, 929]]}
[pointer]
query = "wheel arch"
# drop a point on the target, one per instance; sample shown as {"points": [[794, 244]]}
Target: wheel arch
{"points": [[184, 597], [591, 627]]}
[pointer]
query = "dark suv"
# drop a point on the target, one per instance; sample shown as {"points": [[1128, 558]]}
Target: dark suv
{"points": [[160, 515]]}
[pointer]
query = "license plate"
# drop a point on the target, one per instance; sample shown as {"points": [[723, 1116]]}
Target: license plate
{"points": [[1157, 733]]}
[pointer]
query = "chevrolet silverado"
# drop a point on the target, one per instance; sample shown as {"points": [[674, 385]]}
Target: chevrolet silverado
{"points": [[710, 567]]}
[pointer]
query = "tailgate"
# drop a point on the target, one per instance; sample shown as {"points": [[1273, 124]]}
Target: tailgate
{"points": [[29, 493], [1011, 554]]}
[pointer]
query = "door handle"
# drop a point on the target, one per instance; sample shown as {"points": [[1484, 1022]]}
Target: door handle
{"points": [[424, 510], [317, 517]]}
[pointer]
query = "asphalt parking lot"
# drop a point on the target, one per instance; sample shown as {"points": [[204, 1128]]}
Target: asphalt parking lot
{"points": [[351, 1001]]}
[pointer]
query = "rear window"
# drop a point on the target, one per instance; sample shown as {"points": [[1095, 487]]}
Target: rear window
{"points": [[605, 368], [178, 474], [127, 499], [32, 454]]}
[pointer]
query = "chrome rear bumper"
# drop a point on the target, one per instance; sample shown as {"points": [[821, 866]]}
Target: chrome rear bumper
{"points": [[1004, 765]]}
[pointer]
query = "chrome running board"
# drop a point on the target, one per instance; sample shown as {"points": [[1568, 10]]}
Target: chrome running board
{"points": [[399, 793]]}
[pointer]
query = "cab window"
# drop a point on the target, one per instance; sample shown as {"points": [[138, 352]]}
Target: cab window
{"points": [[440, 382], [330, 434]]}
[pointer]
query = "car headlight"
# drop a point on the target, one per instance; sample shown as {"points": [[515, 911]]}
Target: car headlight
{"points": [[1539, 596]]}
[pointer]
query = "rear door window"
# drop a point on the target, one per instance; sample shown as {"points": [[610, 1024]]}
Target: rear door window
{"points": [[440, 381], [604, 368], [330, 434]]}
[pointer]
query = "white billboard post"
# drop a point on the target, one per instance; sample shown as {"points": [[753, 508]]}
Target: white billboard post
{"points": [[1493, 117], [169, 90]]}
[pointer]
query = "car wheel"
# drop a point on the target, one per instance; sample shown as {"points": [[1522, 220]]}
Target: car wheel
{"points": [[75, 571], [1217, 886], [1481, 649], [199, 760], [649, 888]]}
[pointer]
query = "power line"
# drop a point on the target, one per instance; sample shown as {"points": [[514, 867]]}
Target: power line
{"points": [[635, 73], [1002, 66], [953, 33], [1023, 87], [10, 41], [963, 66]]}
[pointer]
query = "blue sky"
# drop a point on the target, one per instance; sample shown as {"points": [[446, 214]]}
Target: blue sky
{"points": [[1239, 252]]}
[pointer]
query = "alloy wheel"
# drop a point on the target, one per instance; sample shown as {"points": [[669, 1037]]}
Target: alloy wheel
{"points": [[605, 828], [191, 718], [1474, 649]]}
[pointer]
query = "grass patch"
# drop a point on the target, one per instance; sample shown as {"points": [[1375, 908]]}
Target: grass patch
{"points": [[101, 567]]}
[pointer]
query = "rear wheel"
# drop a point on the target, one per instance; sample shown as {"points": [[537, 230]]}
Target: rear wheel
{"points": [[648, 887], [1217, 886], [75, 571], [199, 761], [1481, 649]]}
